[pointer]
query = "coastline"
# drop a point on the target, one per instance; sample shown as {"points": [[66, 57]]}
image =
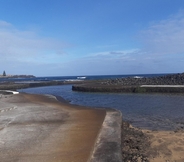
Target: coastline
{"points": [[171, 83], [141, 145], [151, 145], [40, 128], [15, 86], [137, 144]]}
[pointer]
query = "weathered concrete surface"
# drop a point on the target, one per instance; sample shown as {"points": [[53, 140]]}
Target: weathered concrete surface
{"points": [[160, 89], [35, 128], [161, 86], [108, 146]]}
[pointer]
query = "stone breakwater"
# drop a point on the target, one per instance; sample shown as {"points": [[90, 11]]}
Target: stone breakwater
{"points": [[15, 86], [135, 85], [174, 79]]}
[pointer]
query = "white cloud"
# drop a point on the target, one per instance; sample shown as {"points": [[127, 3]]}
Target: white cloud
{"points": [[4, 24], [20, 45], [113, 54], [161, 52], [165, 37]]}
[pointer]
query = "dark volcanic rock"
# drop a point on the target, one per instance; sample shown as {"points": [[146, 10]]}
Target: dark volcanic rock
{"points": [[15, 86], [174, 79], [135, 144]]}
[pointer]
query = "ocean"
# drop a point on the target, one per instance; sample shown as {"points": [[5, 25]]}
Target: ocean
{"points": [[147, 111]]}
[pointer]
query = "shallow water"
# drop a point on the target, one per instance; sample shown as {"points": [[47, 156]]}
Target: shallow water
{"points": [[149, 111]]}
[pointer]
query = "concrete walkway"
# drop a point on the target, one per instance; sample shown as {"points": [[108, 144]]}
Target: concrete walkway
{"points": [[39, 128], [170, 86], [108, 145]]}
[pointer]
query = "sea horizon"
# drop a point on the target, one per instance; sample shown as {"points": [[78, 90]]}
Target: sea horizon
{"points": [[80, 77], [131, 74]]}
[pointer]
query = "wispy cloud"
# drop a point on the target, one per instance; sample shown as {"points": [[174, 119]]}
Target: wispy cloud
{"points": [[162, 46], [4, 24], [107, 46], [161, 39], [26, 45], [113, 54], [165, 37]]}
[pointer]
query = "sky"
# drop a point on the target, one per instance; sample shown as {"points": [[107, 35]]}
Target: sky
{"points": [[91, 37]]}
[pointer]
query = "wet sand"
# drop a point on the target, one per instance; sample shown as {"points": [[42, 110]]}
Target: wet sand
{"points": [[166, 146], [39, 128], [151, 146]]}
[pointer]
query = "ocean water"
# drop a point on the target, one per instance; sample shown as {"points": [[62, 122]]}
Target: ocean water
{"points": [[148, 111]]}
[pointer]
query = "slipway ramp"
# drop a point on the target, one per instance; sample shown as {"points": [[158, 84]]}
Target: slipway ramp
{"points": [[108, 145]]}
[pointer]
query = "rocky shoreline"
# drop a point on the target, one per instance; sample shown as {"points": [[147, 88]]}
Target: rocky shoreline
{"points": [[135, 85], [172, 79], [135, 144], [151, 146]]}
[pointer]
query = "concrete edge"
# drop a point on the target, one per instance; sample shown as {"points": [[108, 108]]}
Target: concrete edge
{"points": [[108, 145]]}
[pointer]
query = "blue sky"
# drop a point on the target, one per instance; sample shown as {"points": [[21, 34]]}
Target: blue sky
{"points": [[91, 37]]}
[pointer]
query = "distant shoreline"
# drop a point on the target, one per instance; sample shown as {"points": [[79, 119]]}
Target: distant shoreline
{"points": [[171, 83], [14, 86], [17, 76]]}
